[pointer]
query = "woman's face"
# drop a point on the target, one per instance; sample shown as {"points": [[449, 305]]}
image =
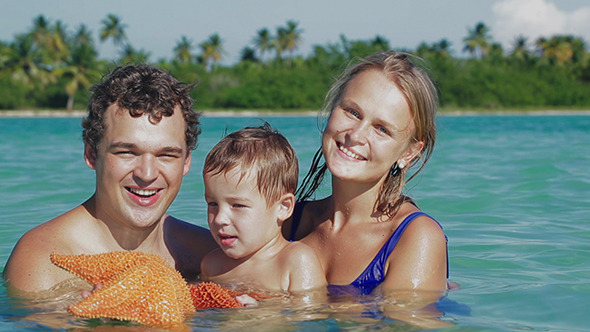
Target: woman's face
{"points": [[369, 130]]}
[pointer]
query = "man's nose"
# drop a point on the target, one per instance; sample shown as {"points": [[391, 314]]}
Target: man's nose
{"points": [[146, 168]]}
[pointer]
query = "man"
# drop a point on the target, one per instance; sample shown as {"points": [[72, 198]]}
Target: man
{"points": [[138, 137]]}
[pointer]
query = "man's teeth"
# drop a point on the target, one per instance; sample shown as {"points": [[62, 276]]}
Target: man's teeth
{"points": [[143, 192], [349, 153]]}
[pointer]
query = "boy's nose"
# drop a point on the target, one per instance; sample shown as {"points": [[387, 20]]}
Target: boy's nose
{"points": [[221, 218]]}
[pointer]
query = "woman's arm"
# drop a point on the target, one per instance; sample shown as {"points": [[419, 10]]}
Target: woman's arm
{"points": [[419, 261], [306, 272]]}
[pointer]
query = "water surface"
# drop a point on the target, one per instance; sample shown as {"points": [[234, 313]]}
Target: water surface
{"points": [[512, 193]]}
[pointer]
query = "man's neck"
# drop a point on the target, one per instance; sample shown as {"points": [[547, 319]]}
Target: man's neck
{"points": [[117, 235]]}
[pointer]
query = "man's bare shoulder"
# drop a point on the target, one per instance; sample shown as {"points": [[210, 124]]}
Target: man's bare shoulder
{"points": [[29, 267]]}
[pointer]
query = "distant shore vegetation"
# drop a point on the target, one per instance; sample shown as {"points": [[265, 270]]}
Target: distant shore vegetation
{"points": [[51, 67]]}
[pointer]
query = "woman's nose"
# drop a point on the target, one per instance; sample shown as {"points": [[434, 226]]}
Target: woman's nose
{"points": [[358, 134]]}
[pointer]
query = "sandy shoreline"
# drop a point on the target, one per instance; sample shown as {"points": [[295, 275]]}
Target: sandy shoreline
{"points": [[250, 113]]}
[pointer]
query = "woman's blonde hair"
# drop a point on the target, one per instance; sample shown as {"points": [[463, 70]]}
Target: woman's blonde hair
{"points": [[422, 98]]}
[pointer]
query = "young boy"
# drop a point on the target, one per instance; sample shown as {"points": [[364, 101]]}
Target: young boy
{"points": [[250, 177]]}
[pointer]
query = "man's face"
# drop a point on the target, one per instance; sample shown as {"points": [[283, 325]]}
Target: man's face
{"points": [[139, 167]]}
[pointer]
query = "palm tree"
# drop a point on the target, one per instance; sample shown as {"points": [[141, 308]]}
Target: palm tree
{"points": [[248, 54], [130, 55], [58, 41], [520, 49], [114, 29], [553, 50], [79, 69], [263, 42], [288, 38], [49, 40], [182, 50], [478, 40], [40, 31], [211, 50], [443, 48], [83, 36], [24, 63], [381, 43]]}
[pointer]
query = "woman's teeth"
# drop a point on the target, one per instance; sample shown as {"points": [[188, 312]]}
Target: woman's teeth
{"points": [[349, 153]]}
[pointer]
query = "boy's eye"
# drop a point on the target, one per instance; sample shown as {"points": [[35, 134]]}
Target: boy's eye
{"points": [[239, 206], [211, 204]]}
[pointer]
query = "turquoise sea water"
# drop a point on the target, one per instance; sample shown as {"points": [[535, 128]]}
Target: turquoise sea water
{"points": [[512, 193]]}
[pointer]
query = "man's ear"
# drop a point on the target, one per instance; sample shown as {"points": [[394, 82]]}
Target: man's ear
{"points": [[89, 156], [286, 206], [187, 163]]}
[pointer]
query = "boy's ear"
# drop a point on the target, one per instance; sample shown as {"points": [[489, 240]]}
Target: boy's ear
{"points": [[286, 206]]}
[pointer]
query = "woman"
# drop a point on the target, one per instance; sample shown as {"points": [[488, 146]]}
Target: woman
{"points": [[367, 234]]}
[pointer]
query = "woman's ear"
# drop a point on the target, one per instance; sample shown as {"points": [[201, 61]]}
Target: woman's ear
{"points": [[89, 156], [412, 152], [286, 206]]}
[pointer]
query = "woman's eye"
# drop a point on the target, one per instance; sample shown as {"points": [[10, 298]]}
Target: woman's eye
{"points": [[353, 113], [383, 130]]}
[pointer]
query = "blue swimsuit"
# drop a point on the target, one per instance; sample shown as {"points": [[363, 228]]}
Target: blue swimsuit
{"points": [[374, 274]]}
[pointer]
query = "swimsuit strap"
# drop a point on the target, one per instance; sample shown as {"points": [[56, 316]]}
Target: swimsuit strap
{"points": [[381, 257], [374, 274], [296, 219]]}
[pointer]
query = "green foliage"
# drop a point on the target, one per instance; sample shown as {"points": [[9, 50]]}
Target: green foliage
{"points": [[50, 67], [12, 94]]}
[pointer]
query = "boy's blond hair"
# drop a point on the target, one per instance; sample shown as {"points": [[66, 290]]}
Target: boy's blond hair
{"points": [[260, 151]]}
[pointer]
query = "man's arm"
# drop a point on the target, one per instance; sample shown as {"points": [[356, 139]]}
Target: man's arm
{"points": [[29, 268]]}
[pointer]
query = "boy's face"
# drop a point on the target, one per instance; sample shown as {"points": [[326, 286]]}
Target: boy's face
{"points": [[238, 216]]}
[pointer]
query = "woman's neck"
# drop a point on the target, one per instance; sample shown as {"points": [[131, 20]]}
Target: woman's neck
{"points": [[353, 202]]}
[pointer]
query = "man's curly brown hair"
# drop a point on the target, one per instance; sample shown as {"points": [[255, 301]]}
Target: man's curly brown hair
{"points": [[141, 90]]}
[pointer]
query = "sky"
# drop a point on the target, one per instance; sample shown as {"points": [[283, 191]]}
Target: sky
{"points": [[156, 26]]}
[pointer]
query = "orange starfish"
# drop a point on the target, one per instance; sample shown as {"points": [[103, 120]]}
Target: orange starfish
{"points": [[141, 287], [135, 286]]}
